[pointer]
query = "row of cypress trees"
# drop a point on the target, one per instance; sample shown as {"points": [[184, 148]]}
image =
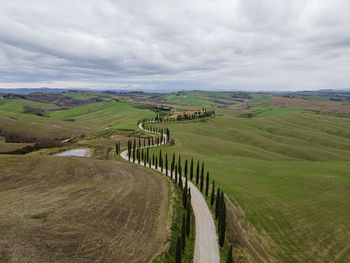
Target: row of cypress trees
{"points": [[197, 175], [185, 117], [186, 221]]}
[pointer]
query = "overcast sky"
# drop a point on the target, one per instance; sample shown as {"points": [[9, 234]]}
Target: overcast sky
{"points": [[197, 44]]}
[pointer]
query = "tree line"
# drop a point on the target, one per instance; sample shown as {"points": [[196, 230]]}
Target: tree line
{"points": [[191, 170], [186, 116]]}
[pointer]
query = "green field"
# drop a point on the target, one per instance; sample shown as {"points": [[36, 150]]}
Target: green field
{"points": [[284, 169], [287, 170], [70, 122]]}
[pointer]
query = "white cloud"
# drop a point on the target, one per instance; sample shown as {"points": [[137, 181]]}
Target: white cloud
{"points": [[243, 44]]}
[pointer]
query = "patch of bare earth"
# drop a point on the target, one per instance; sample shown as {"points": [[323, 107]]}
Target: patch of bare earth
{"points": [[62, 209]]}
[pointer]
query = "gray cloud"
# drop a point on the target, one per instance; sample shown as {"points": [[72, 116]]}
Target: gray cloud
{"points": [[242, 44]]}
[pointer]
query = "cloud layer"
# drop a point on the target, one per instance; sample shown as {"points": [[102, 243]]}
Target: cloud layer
{"points": [[222, 45]]}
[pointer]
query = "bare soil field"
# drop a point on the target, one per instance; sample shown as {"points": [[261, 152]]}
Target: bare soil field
{"points": [[64, 209], [8, 147], [328, 106]]}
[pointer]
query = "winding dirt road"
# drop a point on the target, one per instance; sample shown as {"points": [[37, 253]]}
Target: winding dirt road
{"points": [[206, 242]]}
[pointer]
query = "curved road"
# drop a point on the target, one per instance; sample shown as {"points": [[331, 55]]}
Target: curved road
{"points": [[206, 244]]}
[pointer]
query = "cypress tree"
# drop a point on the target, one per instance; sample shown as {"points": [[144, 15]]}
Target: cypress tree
{"points": [[179, 166], [138, 155], [184, 198], [149, 141], [212, 198], [172, 165], [160, 160], [183, 232], [229, 255], [178, 250], [139, 143], [166, 164], [150, 163], [217, 203], [134, 154], [207, 185], [152, 159], [147, 154], [197, 173], [129, 150], [188, 219], [116, 148], [185, 171], [202, 178], [180, 182], [156, 162], [222, 225], [191, 170], [176, 173]]}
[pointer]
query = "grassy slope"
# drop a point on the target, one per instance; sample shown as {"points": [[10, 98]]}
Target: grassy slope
{"points": [[15, 108], [59, 209], [87, 118], [287, 170], [116, 114]]}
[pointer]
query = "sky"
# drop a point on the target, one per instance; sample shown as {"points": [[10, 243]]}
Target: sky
{"points": [[253, 45]]}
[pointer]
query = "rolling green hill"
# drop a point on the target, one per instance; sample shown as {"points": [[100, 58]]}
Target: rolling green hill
{"points": [[287, 170]]}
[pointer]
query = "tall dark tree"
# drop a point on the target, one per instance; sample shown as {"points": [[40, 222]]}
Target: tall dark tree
{"points": [[212, 197], [176, 173], [184, 198], [222, 225], [207, 185], [183, 232], [179, 166], [156, 162], [188, 219], [166, 164], [185, 171], [116, 148], [197, 173], [160, 160], [153, 159], [217, 203], [191, 170], [202, 178], [129, 150], [173, 165], [178, 250], [229, 255]]}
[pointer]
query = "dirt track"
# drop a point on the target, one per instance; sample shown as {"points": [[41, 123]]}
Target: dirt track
{"points": [[206, 243]]}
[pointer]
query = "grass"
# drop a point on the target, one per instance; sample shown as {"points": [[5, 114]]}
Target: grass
{"points": [[15, 108], [187, 98], [87, 118], [113, 114], [258, 97], [288, 172], [188, 254], [40, 216]]}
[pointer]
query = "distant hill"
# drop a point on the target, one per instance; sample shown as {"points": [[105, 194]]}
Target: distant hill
{"points": [[27, 91]]}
